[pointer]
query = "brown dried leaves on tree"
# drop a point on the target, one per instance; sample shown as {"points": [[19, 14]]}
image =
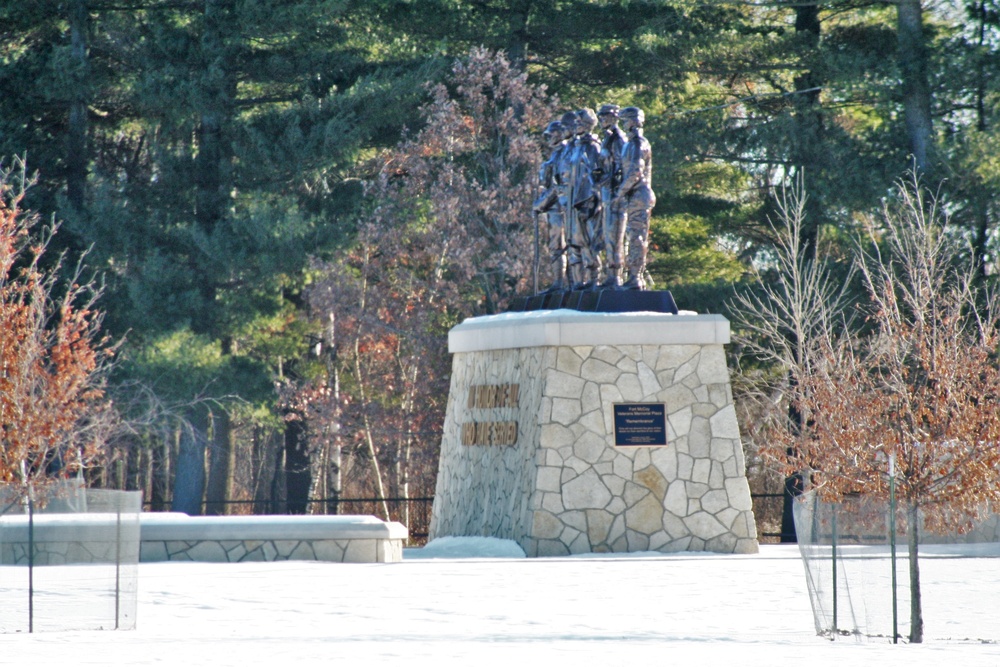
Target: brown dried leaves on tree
{"points": [[918, 382], [922, 386], [453, 202], [911, 371], [449, 235], [51, 390]]}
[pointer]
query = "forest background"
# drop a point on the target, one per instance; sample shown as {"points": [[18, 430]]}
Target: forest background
{"points": [[289, 202]]}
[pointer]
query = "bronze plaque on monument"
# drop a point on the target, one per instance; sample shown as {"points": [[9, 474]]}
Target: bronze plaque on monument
{"points": [[640, 424]]}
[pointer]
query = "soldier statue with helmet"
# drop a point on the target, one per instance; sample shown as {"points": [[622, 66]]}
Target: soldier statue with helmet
{"points": [[608, 178], [596, 197], [565, 176], [546, 206], [587, 238], [636, 195]]}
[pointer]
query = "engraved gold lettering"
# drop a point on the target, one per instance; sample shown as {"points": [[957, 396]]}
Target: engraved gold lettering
{"points": [[489, 433], [489, 396]]}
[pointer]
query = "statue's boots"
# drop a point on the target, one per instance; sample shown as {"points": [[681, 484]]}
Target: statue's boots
{"points": [[577, 276], [560, 283], [634, 283], [613, 280], [557, 286]]}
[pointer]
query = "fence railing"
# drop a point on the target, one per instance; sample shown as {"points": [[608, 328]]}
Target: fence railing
{"points": [[415, 513]]}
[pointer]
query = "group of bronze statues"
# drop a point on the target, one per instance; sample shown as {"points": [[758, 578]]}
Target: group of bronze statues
{"points": [[595, 199]]}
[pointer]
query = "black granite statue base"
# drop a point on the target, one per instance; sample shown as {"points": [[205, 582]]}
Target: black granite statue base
{"points": [[600, 301]]}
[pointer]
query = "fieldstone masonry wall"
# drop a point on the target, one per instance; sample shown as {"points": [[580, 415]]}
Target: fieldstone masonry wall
{"points": [[488, 489], [221, 539], [164, 536], [564, 487]]}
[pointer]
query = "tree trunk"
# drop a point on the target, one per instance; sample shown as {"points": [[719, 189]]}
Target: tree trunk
{"points": [[407, 450], [297, 473], [318, 480], [980, 196], [517, 46], [913, 541], [808, 147], [76, 139], [262, 469], [212, 169], [279, 484], [807, 157], [219, 486], [916, 91], [189, 478], [337, 480], [335, 476], [213, 160], [981, 239], [359, 377], [159, 456], [369, 440], [793, 489]]}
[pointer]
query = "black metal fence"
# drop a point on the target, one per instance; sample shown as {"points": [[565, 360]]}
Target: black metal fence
{"points": [[768, 509]]}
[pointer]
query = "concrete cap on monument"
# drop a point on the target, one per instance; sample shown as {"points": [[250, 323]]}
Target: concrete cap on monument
{"points": [[545, 328]]}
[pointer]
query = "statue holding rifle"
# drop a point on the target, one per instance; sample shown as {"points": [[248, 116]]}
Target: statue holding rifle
{"points": [[608, 178], [587, 235], [636, 195], [566, 181], [548, 214], [595, 198]]}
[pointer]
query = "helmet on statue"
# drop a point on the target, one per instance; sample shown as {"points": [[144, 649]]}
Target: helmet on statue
{"points": [[633, 114]]}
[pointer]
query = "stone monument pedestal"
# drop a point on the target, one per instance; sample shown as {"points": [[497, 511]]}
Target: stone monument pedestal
{"points": [[572, 432]]}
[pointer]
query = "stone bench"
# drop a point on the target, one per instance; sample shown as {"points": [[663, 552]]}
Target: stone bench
{"points": [[170, 536], [220, 539]]}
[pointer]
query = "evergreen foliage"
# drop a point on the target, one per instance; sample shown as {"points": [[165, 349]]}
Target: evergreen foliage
{"points": [[212, 157]]}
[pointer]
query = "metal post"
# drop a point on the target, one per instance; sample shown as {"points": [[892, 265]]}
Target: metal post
{"points": [[31, 564], [534, 271], [834, 552], [892, 545], [118, 563]]}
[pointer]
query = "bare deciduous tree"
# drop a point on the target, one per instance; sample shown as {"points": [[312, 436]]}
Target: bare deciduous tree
{"points": [[449, 235], [921, 385]]}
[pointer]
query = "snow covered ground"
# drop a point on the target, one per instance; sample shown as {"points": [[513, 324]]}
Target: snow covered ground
{"points": [[477, 602]]}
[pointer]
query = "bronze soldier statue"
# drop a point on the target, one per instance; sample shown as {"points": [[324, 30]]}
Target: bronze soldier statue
{"points": [[608, 178], [636, 195], [546, 206], [566, 181], [588, 237]]}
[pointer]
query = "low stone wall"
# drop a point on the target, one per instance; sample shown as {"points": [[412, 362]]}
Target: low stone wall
{"points": [[529, 451], [88, 538], [987, 530], [69, 539], [232, 539]]}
